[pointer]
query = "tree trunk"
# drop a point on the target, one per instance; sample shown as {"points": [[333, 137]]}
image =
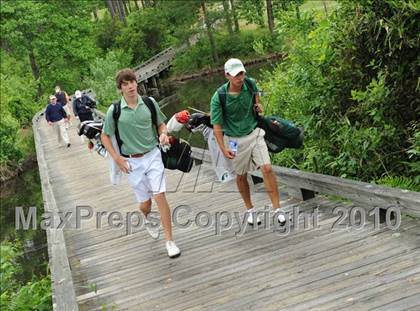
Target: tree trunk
{"points": [[235, 17], [35, 71], [143, 4], [116, 9], [325, 8], [297, 12], [126, 7], [137, 5], [111, 8], [227, 17], [270, 16], [209, 33], [121, 11]]}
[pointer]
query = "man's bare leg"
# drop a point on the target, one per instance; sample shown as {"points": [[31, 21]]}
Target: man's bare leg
{"points": [[243, 187], [270, 183]]}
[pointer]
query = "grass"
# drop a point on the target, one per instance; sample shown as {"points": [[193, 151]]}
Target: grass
{"points": [[318, 6]]}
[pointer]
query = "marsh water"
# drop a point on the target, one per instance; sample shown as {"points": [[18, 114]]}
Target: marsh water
{"points": [[24, 191]]}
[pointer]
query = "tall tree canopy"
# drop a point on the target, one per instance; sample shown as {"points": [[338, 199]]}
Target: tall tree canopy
{"points": [[53, 35]]}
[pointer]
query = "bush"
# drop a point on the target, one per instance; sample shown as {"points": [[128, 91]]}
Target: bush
{"points": [[350, 81], [35, 295], [9, 152]]}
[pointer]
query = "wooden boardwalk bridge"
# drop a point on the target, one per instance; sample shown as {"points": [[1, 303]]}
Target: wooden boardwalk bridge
{"points": [[329, 265]]}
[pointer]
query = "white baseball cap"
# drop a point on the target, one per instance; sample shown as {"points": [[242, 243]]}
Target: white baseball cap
{"points": [[234, 66], [78, 94]]}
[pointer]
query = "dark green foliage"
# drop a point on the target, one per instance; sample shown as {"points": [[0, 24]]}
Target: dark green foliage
{"points": [[34, 295], [55, 37], [107, 32], [17, 106], [152, 30], [400, 182], [252, 11], [8, 133], [144, 35], [352, 82]]}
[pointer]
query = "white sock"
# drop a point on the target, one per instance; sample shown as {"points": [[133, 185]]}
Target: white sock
{"points": [[251, 210]]}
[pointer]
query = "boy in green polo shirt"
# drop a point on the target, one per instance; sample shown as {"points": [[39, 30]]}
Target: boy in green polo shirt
{"points": [[140, 157], [239, 138]]}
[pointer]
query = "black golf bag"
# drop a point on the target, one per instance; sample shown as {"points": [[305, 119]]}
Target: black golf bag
{"points": [[92, 130]]}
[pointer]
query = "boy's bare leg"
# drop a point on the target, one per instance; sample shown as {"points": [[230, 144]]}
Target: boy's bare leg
{"points": [[165, 214], [146, 207]]}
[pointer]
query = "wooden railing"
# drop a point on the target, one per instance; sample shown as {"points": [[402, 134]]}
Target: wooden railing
{"points": [[163, 61], [304, 185], [63, 294]]}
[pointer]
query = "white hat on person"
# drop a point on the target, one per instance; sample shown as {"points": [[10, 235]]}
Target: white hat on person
{"points": [[78, 94], [234, 66]]}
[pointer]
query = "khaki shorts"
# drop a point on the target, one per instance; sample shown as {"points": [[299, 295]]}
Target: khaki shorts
{"points": [[252, 151], [67, 110]]}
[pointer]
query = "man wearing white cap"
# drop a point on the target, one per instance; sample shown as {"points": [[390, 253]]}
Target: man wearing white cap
{"points": [[234, 108], [82, 106]]}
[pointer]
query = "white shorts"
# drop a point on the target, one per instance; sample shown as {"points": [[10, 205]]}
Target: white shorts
{"points": [[147, 177]]}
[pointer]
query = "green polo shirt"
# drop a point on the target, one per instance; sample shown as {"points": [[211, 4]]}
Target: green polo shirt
{"points": [[135, 127], [239, 119]]}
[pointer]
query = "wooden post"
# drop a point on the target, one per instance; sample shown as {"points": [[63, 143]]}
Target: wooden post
{"points": [[158, 84], [142, 88], [154, 84]]}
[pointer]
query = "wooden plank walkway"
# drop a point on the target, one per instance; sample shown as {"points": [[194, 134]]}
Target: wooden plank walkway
{"points": [[312, 269]]}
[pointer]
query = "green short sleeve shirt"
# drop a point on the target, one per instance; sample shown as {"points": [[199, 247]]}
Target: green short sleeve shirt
{"points": [[238, 119], [135, 127]]}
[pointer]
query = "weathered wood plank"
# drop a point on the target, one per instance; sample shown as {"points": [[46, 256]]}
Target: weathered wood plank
{"points": [[259, 269], [63, 293]]}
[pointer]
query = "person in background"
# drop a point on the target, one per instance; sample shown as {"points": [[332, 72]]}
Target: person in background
{"points": [[63, 99], [83, 106], [55, 116]]}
